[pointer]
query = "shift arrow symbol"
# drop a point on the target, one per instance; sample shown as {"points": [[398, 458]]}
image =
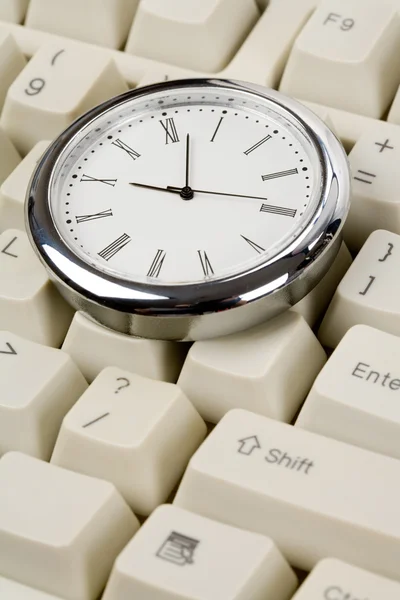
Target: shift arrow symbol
{"points": [[247, 445]]}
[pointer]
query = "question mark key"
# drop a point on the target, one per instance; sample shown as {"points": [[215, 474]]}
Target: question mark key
{"points": [[136, 432]]}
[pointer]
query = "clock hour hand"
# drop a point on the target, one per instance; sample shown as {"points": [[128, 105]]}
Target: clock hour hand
{"points": [[170, 189]]}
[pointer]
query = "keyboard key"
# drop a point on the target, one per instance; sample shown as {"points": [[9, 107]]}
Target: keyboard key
{"points": [[177, 554], [394, 112], [14, 188], [263, 55], [315, 303], [135, 432], [38, 386], [30, 305], [13, 10], [9, 157], [333, 579], [75, 19], [174, 31], [369, 293], [375, 178], [60, 82], [59, 531], [316, 497], [12, 61], [355, 398], [345, 47], [94, 347], [12, 590], [261, 369]]}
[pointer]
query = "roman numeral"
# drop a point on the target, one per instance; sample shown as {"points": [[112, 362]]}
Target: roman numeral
{"points": [[157, 263], [112, 249], [279, 174], [260, 143], [132, 153], [171, 134], [111, 182], [99, 215], [278, 210], [205, 263], [216, 131], [255, 246]]}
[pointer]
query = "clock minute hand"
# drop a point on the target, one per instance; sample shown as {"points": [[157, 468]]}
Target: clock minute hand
{"points": [[280, 210]]}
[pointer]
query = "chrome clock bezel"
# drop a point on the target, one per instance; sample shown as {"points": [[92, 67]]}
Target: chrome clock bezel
{"points": [[215, 307]]}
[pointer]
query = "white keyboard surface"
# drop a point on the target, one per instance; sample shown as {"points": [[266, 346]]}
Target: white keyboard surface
{"points": [[259, 466]]}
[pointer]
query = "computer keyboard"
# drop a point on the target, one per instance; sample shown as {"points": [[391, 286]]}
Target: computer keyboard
{"points": [[263, 465]]}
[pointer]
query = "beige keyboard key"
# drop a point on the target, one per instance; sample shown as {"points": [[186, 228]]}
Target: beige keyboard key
{"points": [[179, 555], [83, 20], [263, 55], [334, 579], [94, 347], [13, 10], [369, 293], [261, 369], [375, 203], [30, 305], [12, 61], [60, 531], [9, 157], [14, 188], [316, 497], [197, 35], [12, 590], [355, 398], [347, 46], [38, 386], [135, 432], [60, 82], [394, 112], [315, 303]]}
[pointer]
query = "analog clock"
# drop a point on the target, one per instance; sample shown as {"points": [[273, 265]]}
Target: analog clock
{"points": [[189, 209]]}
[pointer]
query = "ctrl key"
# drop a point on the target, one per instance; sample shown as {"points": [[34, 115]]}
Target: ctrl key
{"points": [[59, 531], [180, 555], [333, 579]]}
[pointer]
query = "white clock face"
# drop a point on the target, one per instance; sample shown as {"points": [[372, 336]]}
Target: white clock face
{"points": [[185, 186]]}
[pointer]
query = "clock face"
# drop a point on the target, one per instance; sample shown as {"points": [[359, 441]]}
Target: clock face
{"points": [[185, 185]]}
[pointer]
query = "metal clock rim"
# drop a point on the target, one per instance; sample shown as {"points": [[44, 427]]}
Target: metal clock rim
{"points": [[89, 285]]}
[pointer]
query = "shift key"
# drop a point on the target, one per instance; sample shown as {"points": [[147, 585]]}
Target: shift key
{"points": [[314, 496]]}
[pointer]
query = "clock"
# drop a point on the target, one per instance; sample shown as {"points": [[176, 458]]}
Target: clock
{"points": [[189, 209]]}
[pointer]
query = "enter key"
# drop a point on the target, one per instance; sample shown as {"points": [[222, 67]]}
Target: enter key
{"points": [[356, 396]]}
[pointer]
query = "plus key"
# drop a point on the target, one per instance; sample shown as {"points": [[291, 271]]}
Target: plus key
{"points": [[375, 202]]}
